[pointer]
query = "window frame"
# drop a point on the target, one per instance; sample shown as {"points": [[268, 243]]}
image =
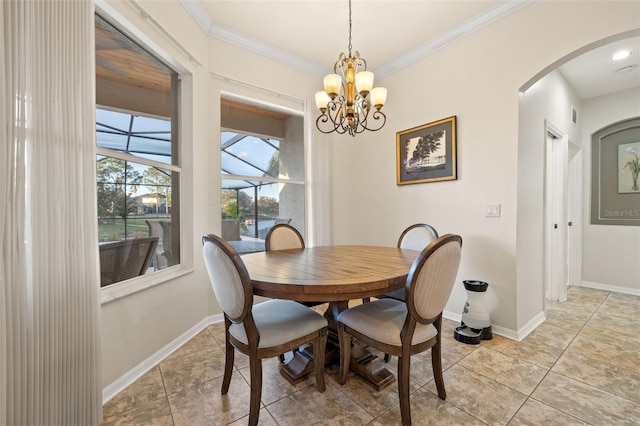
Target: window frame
{"points": [[267, 179], [181, 99]]}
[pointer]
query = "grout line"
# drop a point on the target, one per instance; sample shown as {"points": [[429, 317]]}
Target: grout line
{"points": [[166, 395]]}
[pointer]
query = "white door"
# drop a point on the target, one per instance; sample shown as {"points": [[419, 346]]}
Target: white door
{"points": [[556, 219]]}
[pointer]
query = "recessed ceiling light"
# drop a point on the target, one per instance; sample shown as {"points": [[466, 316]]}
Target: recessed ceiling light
{"points": [[621, 54]]}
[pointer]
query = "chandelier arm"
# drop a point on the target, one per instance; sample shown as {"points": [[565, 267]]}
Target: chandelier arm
{"points": [[339, 119], [377, 115], [361, 64], [340, 65], [323, 119], [332, 121]]}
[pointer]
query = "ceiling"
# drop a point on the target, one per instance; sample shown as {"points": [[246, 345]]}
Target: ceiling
{"points": [[317, 31], [594, 73], [309, 34]]}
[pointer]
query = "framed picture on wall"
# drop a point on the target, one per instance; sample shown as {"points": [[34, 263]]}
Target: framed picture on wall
{"points": [[427, 153], [615, 174], [628, 168]]}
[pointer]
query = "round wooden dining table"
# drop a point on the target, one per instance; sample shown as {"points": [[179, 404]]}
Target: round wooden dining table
{"points": [[333, 274]]}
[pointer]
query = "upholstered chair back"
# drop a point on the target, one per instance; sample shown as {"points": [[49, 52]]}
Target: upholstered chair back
{"points": [[431, 284], [229, 277], [417, 237], [283, 237]]}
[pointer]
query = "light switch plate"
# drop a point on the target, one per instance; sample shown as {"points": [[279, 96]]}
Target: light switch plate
{"points": [[492, 210]]}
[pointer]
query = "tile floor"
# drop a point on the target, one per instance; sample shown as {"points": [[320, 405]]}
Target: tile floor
{"points": [[581, 367]]}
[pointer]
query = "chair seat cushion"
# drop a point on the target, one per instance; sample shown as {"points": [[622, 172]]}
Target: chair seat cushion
{"points": [[280, 321], [382, 320]]}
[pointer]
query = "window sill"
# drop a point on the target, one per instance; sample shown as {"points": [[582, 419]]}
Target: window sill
{"points": [[134, 285]]}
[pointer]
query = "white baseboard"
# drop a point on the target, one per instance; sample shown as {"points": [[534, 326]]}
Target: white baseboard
{"points": [[502, 331], [138, 371], [453, 316], [617, 289], [531, 325]]}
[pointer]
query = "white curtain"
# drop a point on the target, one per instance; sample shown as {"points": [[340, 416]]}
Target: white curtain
{"points": [[49, 306]]}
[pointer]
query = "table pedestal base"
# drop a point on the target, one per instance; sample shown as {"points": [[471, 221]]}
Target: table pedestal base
{"points": [[297, 368], [370, 367], [363, 363]]}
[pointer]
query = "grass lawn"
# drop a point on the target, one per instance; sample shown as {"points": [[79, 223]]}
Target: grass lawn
{"points": [[114, 230]]}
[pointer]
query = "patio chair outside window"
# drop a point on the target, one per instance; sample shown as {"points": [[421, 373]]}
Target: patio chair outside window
{"points": [[126, 259]]}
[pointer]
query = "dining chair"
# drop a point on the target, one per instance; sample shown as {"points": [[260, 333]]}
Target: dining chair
{"points": [[404, 328], [283, 236], [262, 331], [122, 260], [415, 237]]}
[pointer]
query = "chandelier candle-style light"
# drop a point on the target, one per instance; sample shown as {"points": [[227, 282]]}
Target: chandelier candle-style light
{"points": [[348, 96]]}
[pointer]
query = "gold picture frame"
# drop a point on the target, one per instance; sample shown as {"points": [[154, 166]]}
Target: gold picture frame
{"points": [[427, 153]]}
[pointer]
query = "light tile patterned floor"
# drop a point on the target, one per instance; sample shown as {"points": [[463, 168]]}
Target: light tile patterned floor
{"points": [[581, 367]]}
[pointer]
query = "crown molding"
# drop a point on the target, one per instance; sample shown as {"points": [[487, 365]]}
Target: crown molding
{"points": [[219, 31], [215, 29], [466, 28]]}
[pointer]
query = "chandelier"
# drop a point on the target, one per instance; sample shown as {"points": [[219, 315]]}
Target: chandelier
{"points": [[348, 97]]}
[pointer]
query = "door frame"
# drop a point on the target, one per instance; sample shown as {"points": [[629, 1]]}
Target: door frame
{"points": [[556, 213], [575, 208]]}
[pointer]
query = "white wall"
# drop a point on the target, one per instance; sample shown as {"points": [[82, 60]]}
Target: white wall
{"points": [[477, 79], [549, 100], [611, 253]]}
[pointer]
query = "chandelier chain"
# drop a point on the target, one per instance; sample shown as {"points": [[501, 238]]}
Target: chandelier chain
{"points": [[349, 28]]}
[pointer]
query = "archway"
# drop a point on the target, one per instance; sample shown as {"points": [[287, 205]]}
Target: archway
{"points": [[546, 96]]}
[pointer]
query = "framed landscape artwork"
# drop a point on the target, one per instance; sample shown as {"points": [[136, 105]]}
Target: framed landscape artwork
{"points": [[427, 153]]}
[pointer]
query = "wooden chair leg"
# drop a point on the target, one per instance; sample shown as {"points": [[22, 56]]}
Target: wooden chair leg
{"points": [[344, 340], [436, 363], [281, 358], [404, 364], [228, 367], [255, 373], [319, 348], [387, 357]]}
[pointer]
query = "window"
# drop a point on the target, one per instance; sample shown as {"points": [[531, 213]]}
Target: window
{"points": [[137, 166], [262, 176]]}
